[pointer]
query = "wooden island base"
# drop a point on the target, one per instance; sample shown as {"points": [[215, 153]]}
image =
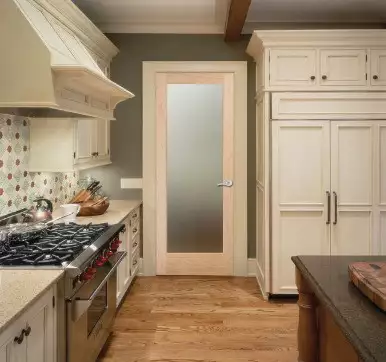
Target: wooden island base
{"points": [[320, 339]]}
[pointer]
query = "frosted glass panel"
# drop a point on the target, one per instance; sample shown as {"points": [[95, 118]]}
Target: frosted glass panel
{"points": [[194, 168]]}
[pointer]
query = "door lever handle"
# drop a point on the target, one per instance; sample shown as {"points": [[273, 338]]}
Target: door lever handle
{"points": [[225, 183]]}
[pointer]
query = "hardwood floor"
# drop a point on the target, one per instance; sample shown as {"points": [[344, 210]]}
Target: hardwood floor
{"points": [[206, 319]]}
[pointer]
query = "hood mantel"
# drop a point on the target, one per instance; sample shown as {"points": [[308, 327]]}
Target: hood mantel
{"points": [[55, 59]]}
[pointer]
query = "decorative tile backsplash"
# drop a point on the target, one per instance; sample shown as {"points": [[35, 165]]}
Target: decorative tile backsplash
{"points": [[18, 187]]}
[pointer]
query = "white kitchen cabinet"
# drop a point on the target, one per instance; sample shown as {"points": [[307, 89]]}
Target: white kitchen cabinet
{"points": [[352, 185], [129, 267], [343, 67], [37, 326], [293, 67], [378, 67], [68, 145], [300, 182]]}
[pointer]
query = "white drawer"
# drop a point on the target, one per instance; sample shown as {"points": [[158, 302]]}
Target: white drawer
{"points": [[135, 244], [135, 263], [135, 216]]}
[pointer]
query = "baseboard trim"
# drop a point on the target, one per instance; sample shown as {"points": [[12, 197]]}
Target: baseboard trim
{"points": [[252, 267]]}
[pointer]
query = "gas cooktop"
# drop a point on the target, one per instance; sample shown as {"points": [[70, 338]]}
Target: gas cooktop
{"points": [[58, 245]]}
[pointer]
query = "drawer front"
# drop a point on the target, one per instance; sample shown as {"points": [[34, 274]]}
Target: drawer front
{"points": [[135, 244], [135, 263], [378, 67], [293, 67], [135, 229], [342, 67], [135, 216]]}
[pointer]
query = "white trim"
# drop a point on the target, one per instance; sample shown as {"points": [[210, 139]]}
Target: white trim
{"points": [[151, 28], [251, 267], [131, 183], [239, 70]]}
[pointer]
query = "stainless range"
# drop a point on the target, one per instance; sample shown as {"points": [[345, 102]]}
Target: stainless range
{"points": [[89, 255]]}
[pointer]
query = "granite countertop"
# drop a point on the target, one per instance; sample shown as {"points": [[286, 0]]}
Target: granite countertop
{"points": [[362, 322], [117, 212], [19, 288]]}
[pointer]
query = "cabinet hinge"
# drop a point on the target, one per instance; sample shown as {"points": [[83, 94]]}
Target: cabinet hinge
{"points": [[74, 154], [53, 302]]}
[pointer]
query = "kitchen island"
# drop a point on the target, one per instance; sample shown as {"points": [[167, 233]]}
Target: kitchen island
{"points": [[337, 323]]}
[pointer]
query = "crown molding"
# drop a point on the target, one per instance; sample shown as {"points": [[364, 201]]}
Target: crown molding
{"points": [[333, 38], [68, 14], [152, 28]]}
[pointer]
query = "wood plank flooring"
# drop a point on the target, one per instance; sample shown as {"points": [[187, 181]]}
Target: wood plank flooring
{"points": [[206, 319]]}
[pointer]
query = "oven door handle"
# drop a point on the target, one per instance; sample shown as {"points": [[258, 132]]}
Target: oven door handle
{"points": [[81, 305]]}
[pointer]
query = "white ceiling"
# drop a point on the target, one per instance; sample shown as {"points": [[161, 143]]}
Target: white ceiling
{"points": [[209, 16], [157, 16]]}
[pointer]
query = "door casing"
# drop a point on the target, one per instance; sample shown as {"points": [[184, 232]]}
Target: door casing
{"points": [[239, 71]]}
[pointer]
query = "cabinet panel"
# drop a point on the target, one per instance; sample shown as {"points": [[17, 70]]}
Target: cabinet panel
{"points": [[293, 67], [378, 67], [85, 140], [343, 67], [300, 180], [103, 138], [37, 340], [352, 178]]}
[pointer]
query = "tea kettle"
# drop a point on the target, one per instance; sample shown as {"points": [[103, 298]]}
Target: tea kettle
{"points": [[41, 212]]}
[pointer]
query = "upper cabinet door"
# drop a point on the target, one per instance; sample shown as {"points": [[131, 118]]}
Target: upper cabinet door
{"points": [[343, 67], [103, 138], [85, 140], [293, 67], [378, 67]]}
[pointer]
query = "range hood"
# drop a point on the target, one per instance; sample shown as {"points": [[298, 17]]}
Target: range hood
{"points": [[46, 70]]}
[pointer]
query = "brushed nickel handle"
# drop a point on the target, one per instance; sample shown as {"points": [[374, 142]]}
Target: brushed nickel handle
{"points": [[328, 222], [225, 183], [336, 208]]}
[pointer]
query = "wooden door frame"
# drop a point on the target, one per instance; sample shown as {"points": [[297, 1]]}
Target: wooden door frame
{"points": [[239, 71]]}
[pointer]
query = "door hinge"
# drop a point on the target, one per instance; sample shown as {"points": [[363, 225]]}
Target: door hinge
{"points": [[74, 154], [53, 302]]}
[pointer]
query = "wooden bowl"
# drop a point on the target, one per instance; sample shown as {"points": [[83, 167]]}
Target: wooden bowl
{"points": [[88, 209]]}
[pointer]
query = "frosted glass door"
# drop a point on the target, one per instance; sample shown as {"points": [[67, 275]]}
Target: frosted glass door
{"points": [[194, 155], [194, 168]]}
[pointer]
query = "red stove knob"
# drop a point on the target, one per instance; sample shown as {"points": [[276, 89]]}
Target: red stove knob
{"points": [[99, 262], [86, 276], [102, 259], [109, 253], [91, 270]]}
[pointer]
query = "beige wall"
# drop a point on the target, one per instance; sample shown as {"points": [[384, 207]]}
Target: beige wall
{"points": [[126, 133]]}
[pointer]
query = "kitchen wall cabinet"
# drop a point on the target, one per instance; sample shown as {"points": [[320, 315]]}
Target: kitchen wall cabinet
{"points": [[68, 145], [131, 241], [320, 148], [38, 328]]}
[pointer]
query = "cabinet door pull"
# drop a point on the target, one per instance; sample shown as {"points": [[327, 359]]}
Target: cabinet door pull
{"points": [[27, 331], [328, 222], [312, 77], [135, 230], [336, 208], [375, 77], [324, 77], [20, 339]]}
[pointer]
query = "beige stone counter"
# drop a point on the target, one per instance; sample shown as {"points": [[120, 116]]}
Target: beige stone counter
{"points": [[19, 288], [118, 211]]}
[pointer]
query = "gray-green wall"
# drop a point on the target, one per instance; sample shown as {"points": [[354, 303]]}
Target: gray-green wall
{"points": [[126, 133]]}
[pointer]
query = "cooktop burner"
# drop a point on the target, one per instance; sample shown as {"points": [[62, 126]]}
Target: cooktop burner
{"points": [[58, 245]]}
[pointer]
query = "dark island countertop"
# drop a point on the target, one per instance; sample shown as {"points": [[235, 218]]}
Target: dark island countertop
{"points": [[361, 321]]}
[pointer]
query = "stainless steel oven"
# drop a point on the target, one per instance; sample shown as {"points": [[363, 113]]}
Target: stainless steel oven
{"points": [[91, 311]]}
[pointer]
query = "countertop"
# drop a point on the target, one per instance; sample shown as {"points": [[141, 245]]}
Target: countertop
{"points": [[117, 211], [20, 288], [362, 322]]}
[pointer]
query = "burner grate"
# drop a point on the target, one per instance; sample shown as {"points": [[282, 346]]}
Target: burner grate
{"points": [[59, 245]]}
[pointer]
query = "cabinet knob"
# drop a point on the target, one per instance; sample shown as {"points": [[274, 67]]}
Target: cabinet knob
{"points": [[375, 77], [312, 77], [324, 77], [20, 339], [27, 331], [94, 153]]}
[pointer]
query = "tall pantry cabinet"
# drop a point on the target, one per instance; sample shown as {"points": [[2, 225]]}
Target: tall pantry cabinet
{"points": [[321, 148]]}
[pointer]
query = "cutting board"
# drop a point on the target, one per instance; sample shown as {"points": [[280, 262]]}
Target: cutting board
{"points": [[370, 278]]}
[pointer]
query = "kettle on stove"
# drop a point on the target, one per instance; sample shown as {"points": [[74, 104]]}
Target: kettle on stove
{"points": [[41, 212]]}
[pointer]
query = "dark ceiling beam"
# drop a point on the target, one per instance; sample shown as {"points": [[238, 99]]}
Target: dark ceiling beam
{"points": [[237, 14]]}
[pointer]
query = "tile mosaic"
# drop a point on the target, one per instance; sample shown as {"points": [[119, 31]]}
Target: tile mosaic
{"points": [[18, 187]]}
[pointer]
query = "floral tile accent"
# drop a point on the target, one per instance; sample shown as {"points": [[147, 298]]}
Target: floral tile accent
{"points": [[18, 187]]}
